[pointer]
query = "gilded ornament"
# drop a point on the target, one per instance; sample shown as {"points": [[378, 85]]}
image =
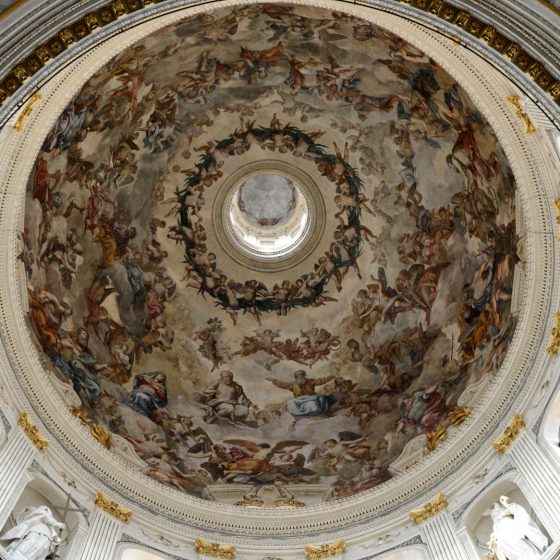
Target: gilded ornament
{"points": [[515, 101], [250, 503], [43, 54], [535, 70], [112, 508], [118, 8], [32, 432], [289, 503], [512, 50], [433, 438], [215, 550], [91, 21], [20, 122], [436, 6], [488, 33], [503, 443], [553, 346], [81, 415], [460, 18], [21, 73], [99, 433], [458, 415], [67, 36], [437, 505], [554, 91], [325, 550]]}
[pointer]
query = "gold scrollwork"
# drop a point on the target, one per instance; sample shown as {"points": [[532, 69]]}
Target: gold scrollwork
{"points": [[32, 432], [553, 346], [503, 443], [215, 550], [325, 550], [437, 505], [97, 431], [250, 503], [112, 508], [515, 101], [289, 503], [26, 112]]}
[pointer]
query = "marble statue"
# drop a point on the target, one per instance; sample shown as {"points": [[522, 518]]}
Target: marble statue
{"points": [[34, 536], [515, 536]]}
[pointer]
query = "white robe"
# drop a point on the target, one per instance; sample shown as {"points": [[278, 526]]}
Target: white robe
{"points": [[516, 536], [36, 531]]}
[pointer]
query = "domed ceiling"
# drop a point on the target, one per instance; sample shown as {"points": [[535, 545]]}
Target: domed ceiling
{"points": [[268, 248]]}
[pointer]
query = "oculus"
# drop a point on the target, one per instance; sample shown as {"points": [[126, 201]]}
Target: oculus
{"points": [[269, 215]]}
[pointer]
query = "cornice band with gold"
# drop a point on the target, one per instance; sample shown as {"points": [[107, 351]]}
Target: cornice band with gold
{"points": [[215, 550], [112, 11], [325, 550], [437, 505], [503, 443], [32, 432], [553, 346], [515, 100], [112, 508]]}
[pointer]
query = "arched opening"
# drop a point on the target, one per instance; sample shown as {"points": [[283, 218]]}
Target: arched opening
{"points": [[41, 492], [477, 517], [137, 553]]}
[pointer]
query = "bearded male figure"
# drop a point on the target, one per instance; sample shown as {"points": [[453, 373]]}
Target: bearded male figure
{"points": [[305, 402], [225, 399]]}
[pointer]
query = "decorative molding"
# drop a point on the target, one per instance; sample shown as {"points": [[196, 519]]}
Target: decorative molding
{"points": [[437, 505], [515, 100], [503, 443], [325, 550], [112, 508], [215, 550], [553, 346], [32, 432], [26, 112], [76, 31]]}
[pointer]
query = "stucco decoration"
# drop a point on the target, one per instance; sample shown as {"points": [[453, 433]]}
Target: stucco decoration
{"points": [[220, 374]]}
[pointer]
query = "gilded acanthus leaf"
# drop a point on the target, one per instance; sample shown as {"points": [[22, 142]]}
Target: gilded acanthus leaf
{"points": [[437, 505]]}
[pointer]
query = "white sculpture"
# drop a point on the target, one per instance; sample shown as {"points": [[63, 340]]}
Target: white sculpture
{"points": [[514, 535], [35, 535]]}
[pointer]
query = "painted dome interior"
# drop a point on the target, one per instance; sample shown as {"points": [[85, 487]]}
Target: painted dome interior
{"points": [[318, 373]]}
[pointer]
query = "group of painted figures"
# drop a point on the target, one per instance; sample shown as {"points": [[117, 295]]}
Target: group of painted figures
{"points": [[108, 204]]}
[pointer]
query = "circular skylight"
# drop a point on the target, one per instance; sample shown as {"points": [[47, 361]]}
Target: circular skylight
{"points": [[269, 215]]}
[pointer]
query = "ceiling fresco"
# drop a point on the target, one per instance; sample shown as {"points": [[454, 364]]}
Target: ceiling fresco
{"points": [[315, 380]]}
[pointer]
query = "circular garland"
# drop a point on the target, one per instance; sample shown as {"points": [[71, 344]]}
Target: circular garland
{"points": [[253, 296]]}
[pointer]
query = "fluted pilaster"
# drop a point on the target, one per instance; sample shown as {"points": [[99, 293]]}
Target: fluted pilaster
{"points": [[102, 537], [442, 539]]}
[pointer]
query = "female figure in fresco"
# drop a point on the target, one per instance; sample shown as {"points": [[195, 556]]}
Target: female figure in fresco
{"points": [[149, 393]]}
